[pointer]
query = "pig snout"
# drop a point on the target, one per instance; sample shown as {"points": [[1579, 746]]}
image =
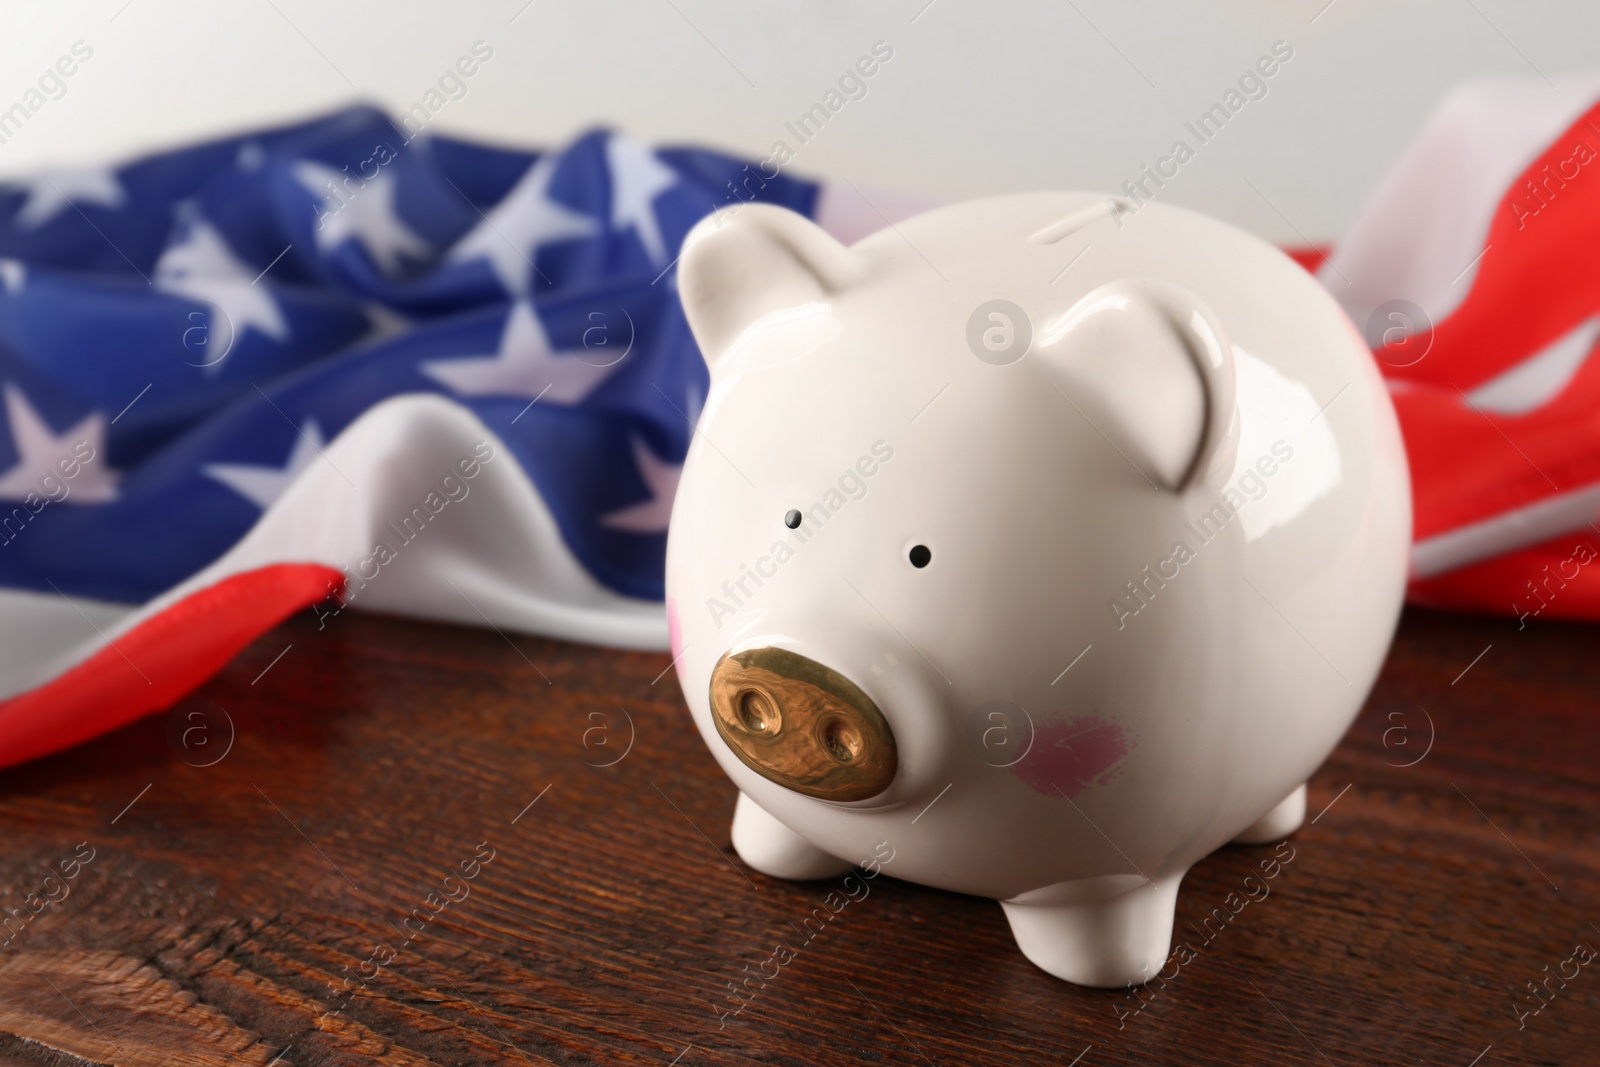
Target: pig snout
{"points": [[802, 725]]}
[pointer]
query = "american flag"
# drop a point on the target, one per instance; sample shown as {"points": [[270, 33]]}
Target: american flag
{"points": [[335, 364], [1473, 270]]}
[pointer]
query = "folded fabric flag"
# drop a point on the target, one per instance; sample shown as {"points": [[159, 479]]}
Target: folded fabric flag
{"points": [[436, 378], [269, 372], [1478, 261]]}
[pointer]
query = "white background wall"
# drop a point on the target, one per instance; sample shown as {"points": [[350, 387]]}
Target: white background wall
{"points": [[979, 98]]}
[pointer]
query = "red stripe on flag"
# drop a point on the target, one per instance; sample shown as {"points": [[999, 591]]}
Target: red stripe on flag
{"points": [[1555, 579], [159, 660], [1538, 278], [1309, 256], [1468, 465]]}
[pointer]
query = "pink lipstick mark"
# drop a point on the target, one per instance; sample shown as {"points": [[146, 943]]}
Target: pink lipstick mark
{"points": [[1074, 754], [674, 631]]}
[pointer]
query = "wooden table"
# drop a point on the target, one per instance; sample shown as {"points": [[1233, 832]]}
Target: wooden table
{"points": [[293, 902]]}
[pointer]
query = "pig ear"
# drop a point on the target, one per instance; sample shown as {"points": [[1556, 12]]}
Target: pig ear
{"points": [[1149, 365], [749, 261]]}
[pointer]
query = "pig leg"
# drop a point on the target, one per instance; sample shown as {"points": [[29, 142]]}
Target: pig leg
{"points": [[1105, 941], [773, 849], [1278, 823]]}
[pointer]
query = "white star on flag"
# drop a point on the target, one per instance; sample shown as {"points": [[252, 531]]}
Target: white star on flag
{"points": [[526, 365], [202, 267], [510, 235], [13, 273], [40, 452], [263, 485], [52, 192], [250, 156], [648, 516], [637, 178], [365, 212]]}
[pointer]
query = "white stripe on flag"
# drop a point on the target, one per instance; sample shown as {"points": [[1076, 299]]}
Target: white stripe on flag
{"points": [[1505, 532]]}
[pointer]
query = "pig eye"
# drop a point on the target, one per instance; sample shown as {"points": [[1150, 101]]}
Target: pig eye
{"points": [[792, 520], [920, 556]]}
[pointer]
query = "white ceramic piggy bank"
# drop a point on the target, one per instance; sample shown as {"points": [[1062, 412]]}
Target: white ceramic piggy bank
{"points": [[1052, 543]]}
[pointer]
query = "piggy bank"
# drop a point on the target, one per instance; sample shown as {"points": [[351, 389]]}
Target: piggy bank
{"points": [[1033, 548]]}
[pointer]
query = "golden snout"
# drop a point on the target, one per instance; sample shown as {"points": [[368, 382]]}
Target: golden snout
{"points": [[797, 723]]}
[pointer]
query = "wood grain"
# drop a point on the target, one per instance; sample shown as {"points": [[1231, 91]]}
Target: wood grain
{"points": [[305, 899]]}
